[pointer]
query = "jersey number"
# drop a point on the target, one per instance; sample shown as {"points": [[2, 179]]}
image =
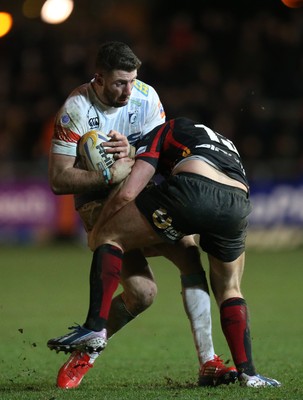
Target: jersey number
{"points": [[216, 137]]}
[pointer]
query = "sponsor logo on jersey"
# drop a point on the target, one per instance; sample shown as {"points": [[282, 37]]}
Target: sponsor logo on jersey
{"points": [[160, 219], [93, 122], [132, 117], [135, 102], [164, 222], [65, 119], [141, 87], [93, 119]]}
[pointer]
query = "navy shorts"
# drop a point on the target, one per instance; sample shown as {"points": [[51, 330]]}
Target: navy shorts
{"points": [[188, 203]]}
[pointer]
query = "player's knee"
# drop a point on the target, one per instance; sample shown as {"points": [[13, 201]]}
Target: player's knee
{"points": [[145, 295], [139, 298]]}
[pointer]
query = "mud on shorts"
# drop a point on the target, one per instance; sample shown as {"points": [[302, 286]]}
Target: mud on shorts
{"points": [[188, 203]]}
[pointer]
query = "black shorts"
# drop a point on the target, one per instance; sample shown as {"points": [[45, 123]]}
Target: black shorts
{"points": [[188, 203]]}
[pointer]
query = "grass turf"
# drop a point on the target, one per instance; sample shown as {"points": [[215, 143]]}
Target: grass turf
{"points": [[43, 290]]}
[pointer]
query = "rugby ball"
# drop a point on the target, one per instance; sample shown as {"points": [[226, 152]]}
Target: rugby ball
{"points": [[92, 153]]}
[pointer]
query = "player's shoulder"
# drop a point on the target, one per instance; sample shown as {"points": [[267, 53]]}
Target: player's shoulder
{"points": [[183, 123], [81, 94], [143, 90], [76, 103]]}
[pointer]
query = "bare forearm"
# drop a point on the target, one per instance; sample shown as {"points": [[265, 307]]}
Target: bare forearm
{"points": [[74, 181], [126, 192], [65, 178]]}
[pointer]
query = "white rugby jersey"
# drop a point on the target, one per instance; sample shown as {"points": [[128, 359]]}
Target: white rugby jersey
{"points": [[83, 111]]}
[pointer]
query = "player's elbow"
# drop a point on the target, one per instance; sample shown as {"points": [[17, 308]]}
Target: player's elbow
{"points": [[127, 196], [56, 189], [55, 186]]}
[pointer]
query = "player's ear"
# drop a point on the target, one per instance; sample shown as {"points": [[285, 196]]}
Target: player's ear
{"points": [[99, 79]]}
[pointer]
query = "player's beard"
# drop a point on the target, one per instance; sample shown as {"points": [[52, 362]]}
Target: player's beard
{"points": [[112, 101], [120, 103]]}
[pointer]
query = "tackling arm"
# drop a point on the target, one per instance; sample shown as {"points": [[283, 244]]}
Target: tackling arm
{"points": [[141, 174]]}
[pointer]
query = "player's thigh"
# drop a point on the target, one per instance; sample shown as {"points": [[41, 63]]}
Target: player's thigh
{"points": [[129, 229]]}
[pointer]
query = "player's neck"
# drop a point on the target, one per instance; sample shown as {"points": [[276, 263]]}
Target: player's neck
{"points": [[97, 93]]}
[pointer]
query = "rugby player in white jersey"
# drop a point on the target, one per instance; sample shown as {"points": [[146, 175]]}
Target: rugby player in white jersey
{"points": [[116, 101]]}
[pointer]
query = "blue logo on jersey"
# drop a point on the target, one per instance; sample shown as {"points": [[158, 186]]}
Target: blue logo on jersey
{"points": [[65, 119]]}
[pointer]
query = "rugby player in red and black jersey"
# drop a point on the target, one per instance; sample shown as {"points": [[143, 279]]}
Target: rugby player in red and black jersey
{"points": [[205, 192]]}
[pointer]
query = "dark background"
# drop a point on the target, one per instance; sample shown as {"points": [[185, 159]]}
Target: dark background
{"points": [[236, 66]]}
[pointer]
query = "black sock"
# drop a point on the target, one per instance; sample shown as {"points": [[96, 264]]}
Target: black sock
{"points": [[104, 280], [235, 325]]}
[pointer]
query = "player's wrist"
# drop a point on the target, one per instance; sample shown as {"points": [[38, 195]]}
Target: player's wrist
{"points": [[107, 176]]}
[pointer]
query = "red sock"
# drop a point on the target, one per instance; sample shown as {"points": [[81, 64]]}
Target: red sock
{"points": [[235, 326], [104, 280]]}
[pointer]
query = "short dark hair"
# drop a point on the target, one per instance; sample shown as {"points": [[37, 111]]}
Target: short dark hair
{"points": [[116, 55]]}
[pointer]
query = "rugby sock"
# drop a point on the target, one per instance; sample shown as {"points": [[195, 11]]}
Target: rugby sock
{"points": [[196, 300], [235, 326], [104, 280]]}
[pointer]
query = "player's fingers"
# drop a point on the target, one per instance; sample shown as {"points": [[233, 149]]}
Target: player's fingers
{"points": [[113, 144], [113, 149], [115, 135]]}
